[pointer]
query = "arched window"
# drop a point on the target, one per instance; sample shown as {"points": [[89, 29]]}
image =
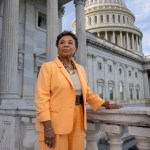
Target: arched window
{"points": [[107, 16], [118, 18], [95, 19], [123, 19], [101, 18], [111, 90], [136, 75], [120, 71], [137, 94], [113, 18], [90, 21], [100, 87], [121, 91], [127, 20], [137, 87], [131, 91]]}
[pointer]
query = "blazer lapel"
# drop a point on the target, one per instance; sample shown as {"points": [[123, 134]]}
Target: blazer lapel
{"points": [[63, 70]]}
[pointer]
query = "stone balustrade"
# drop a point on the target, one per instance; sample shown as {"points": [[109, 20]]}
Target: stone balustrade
{"points": [[115, 123], [17, 127]]}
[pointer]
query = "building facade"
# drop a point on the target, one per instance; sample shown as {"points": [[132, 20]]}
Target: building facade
{"points": [[116, 59], [110, 50]]}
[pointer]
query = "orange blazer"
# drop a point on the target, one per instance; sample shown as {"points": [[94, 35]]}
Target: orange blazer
{"points": [[55, 97]]}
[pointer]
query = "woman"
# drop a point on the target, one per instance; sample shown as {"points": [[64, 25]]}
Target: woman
{"points": [[61, 94]]}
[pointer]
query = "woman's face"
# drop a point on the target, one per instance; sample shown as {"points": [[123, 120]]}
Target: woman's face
{"points": [[66, 46]]}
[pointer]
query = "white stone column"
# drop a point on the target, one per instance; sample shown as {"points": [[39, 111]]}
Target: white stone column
{"points": [[106, 35], [114, 133], [98, 19], [141, 85], [113, 40], [98, 34], [90, 71], [146, 85], [142, 134], [116, 81], [127, 40], [133, 46], [92, 136], [9, 54], [81, 54], [94, 72], [61, 11], [52, 29], [121, 39], [106, 80], [125, 86], [137, 45], [140, 44]]}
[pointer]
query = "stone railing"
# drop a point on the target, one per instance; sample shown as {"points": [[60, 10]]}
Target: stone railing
{"points": [[17, 127], [115, 123]]}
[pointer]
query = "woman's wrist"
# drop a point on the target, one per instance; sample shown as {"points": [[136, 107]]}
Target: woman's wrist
{"points": [[48, 129], [106, 104], [47, 125]]}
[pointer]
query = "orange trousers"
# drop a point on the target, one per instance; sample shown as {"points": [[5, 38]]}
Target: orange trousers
{"points": [[71, 141]]}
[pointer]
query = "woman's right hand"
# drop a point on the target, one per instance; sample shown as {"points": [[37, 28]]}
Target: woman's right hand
{"points": [[49, 135], [50, 138]]}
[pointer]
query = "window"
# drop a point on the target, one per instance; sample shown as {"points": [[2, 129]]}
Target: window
{"points": [[109, 68], [121, 91], [111, 89], [90, 22], [100, 91], [136, 74], [41, 20], [137, 94], [123, 19], [101, 19], [118, 18], [99, 65], [107, 18], [127, 20], [113, 18], [100, 87], [95, 19], [111, 93], [120, 71], [129, 73], [131, 93]]}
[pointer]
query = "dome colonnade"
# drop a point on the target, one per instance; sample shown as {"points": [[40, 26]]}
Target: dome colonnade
{"points": [[113, 21]]}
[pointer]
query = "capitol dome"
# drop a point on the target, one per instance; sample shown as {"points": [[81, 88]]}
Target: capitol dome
{"points": [[114, 22]]}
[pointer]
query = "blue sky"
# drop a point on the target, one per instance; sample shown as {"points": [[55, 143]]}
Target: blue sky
{"points": [[141, 10]]}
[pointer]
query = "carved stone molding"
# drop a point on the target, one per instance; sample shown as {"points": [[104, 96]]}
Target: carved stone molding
{"points": [[20, 59], [61, 11], [77, 2]]}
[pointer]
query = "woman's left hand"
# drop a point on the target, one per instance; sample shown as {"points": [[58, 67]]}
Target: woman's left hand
{"points": [[115, 106]]}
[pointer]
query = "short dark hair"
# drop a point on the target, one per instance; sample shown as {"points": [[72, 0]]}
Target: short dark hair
{"points": [[64, 33]]}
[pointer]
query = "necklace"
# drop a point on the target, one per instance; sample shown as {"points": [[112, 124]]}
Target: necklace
{"points": [[68, 66], [70, 71]]}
